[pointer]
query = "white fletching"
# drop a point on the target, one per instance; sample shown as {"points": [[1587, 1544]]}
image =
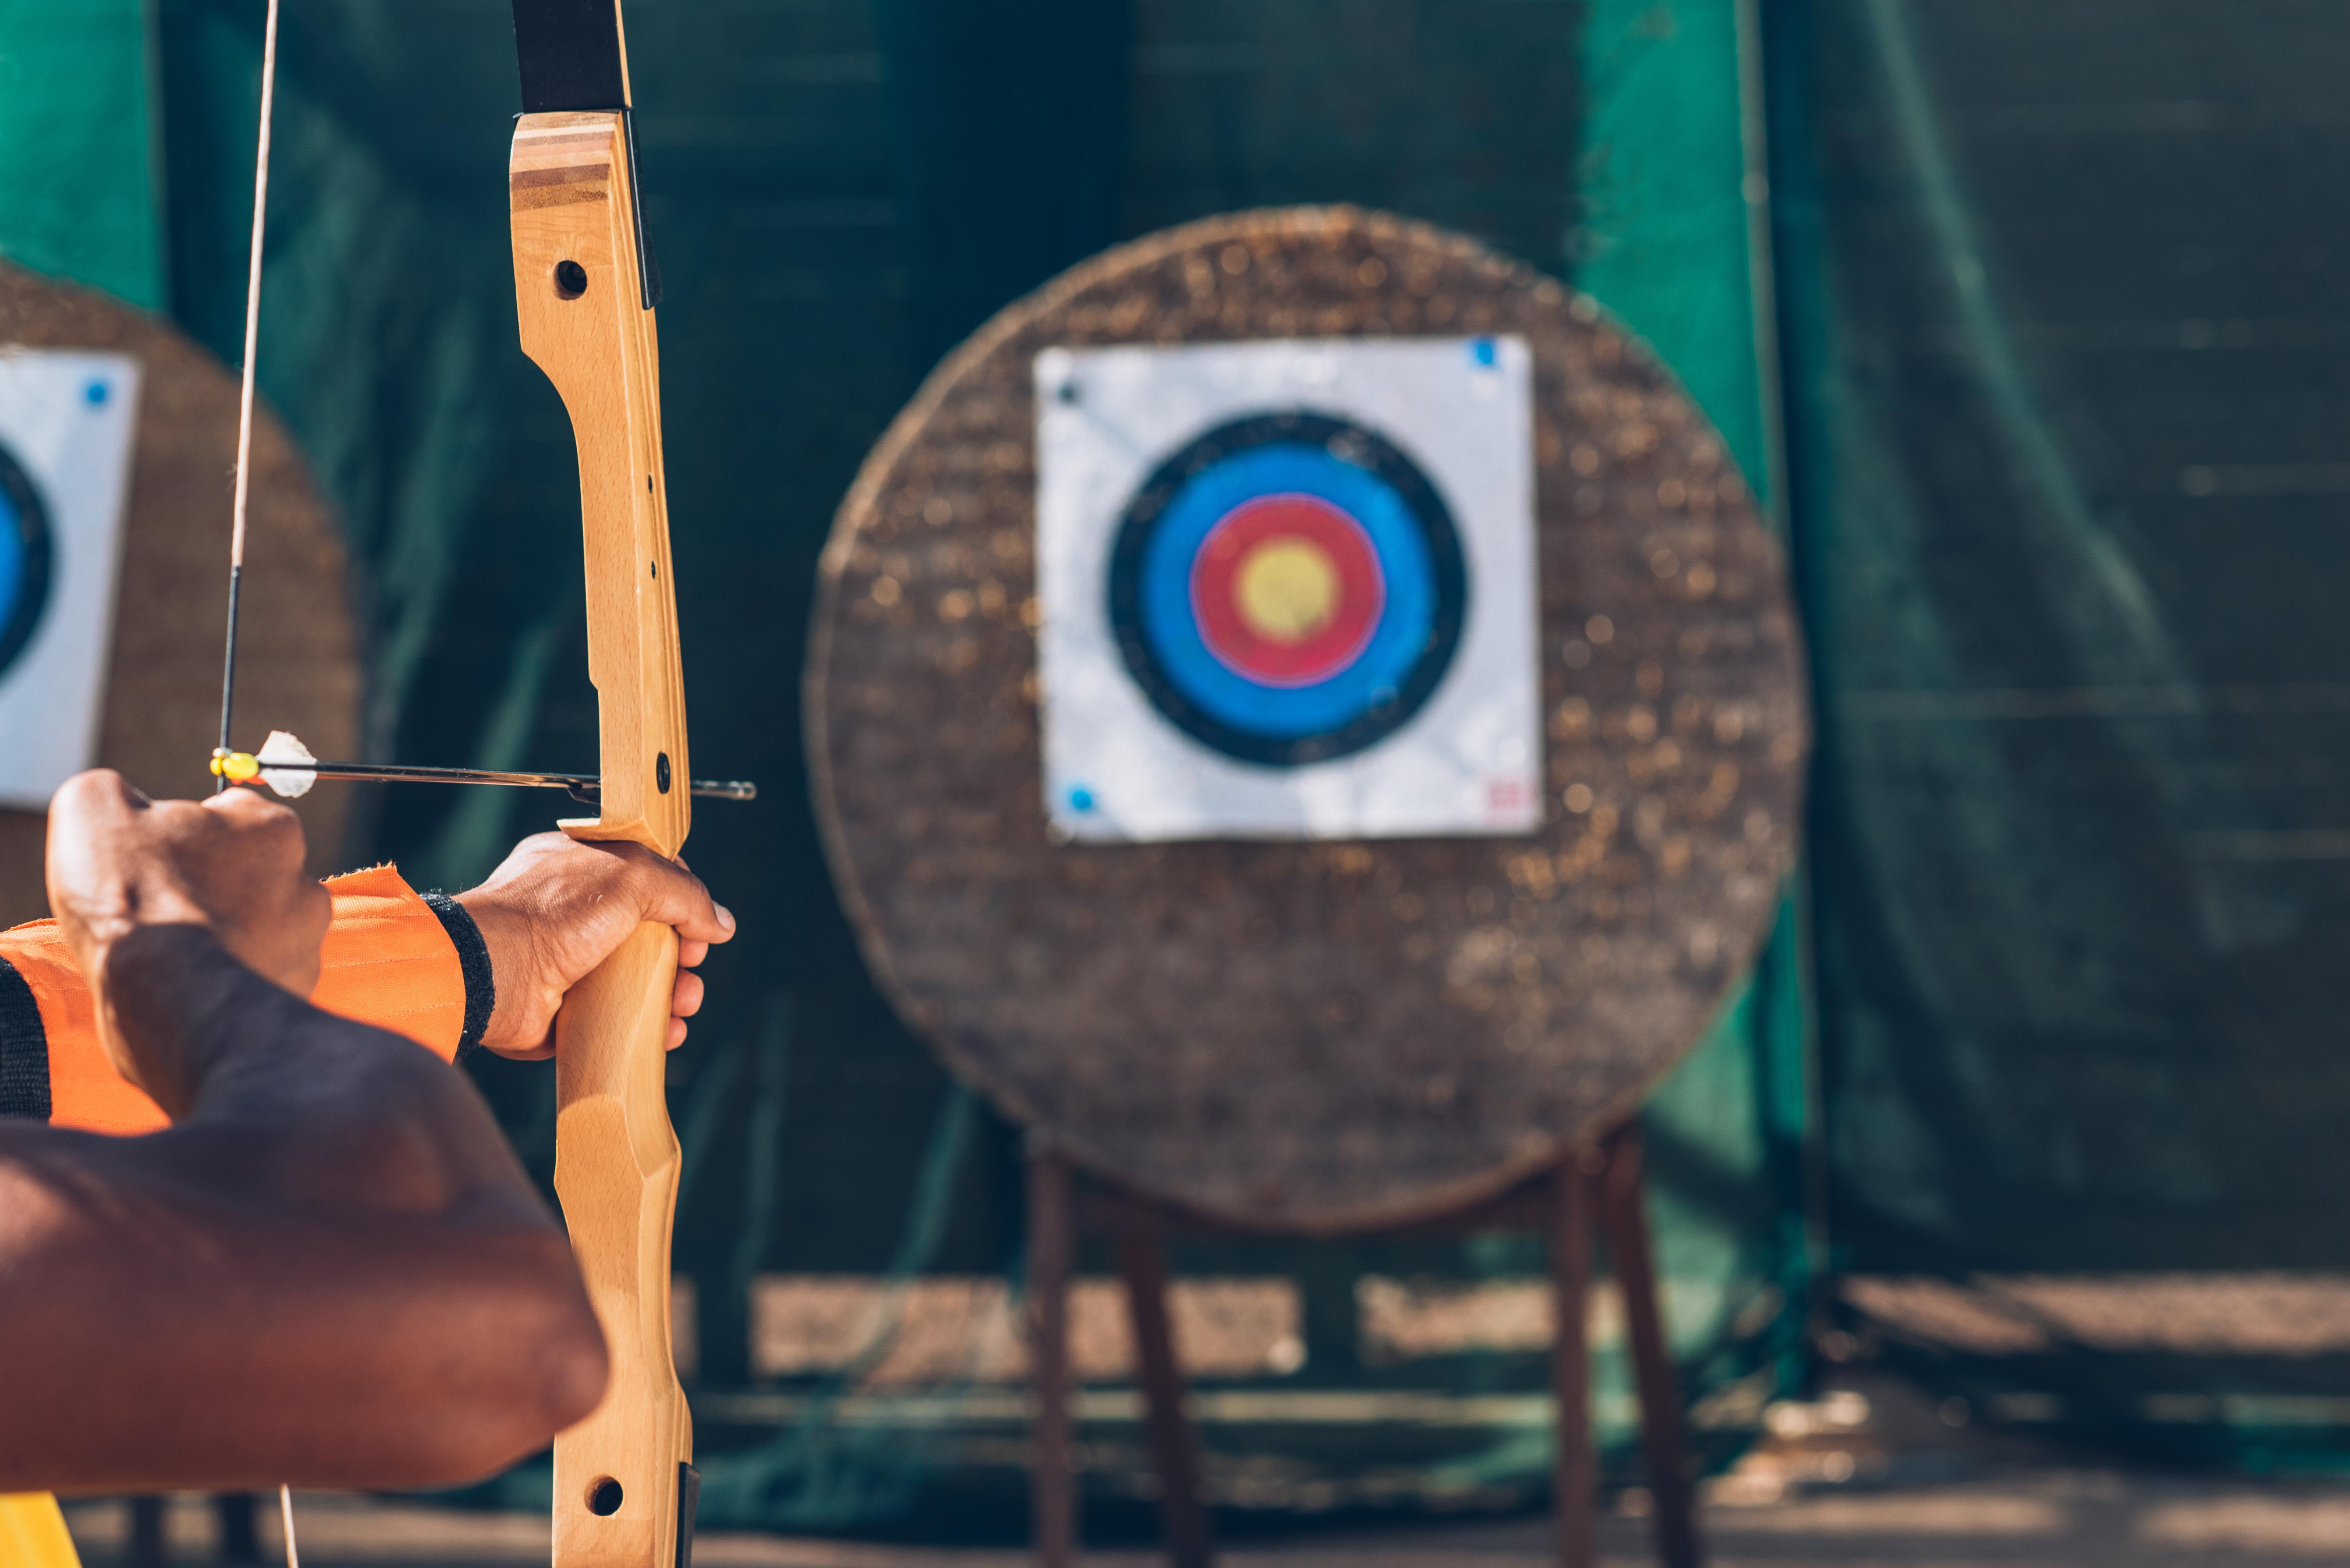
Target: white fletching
{"points": [[282, 748]]}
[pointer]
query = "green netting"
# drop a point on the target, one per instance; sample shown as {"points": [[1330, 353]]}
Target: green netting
{"points": [[836, 189], [1665, 241]]}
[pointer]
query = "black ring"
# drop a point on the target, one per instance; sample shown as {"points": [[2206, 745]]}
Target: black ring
{"points": [[1350, 443], [24, 616]]}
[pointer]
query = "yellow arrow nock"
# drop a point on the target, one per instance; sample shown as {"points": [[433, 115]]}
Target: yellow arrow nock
{"points": [[237, 767]]}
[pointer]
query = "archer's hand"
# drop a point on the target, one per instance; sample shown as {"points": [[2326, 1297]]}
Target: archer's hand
{"points": [[559, 907], [231, 865]]}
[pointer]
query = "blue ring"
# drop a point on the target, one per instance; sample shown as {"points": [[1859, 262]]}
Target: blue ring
{"points": [[24, 559], [1170, 625]]}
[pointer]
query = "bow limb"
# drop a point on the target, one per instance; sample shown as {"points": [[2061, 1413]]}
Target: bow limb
{"points": [[623, 1478]]}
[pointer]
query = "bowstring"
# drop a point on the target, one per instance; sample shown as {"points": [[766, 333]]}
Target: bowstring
{"points": [[244, 471], [244, 480]]}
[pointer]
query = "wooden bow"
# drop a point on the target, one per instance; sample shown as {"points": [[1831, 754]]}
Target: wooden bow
{"points": [[624, 1480], [584, 290], [625, 1485]]}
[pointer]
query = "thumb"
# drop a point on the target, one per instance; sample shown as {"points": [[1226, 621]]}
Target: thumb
{"points": [[675, 897]]}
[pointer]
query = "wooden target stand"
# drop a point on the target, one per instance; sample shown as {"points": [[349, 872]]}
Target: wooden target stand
{"points": [[1596, 1189], [1294, 1037]]}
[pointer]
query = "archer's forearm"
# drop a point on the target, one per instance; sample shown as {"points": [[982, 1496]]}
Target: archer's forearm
{"points": [[330, 1271], [348, 1119], [171, 1337]]}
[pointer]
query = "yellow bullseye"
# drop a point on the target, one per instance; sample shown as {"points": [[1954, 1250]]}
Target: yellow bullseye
{"points": [[1287, 590]]}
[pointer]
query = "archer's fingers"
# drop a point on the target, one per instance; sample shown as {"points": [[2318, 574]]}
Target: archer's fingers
{"points": [[684, 1001], [245, 804], [268, 821], [97, 791], [541, 1051], [689, 954]]}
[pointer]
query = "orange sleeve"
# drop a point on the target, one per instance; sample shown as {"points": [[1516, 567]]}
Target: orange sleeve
{"points": [[387, 961], [85, 1091]]}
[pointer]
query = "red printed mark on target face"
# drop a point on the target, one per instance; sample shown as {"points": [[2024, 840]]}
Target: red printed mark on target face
{"points": [[1506, 795], [1287, 590]]}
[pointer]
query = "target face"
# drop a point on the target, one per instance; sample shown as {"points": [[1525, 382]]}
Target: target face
{"points": [[1287, 589], [68, 420]]}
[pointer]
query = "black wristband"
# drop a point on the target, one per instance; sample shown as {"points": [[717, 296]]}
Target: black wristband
{"points": [[473, 961], [23, 1049]]}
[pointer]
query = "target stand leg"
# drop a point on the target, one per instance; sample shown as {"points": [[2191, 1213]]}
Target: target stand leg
{"points": [[1142, 1260], [1575, 1478], [1625, 1220], [150, 1546], [238, 1518], [1051, 1229]]}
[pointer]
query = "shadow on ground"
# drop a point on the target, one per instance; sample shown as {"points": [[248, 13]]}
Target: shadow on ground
{"points": [[1868, 1474]]}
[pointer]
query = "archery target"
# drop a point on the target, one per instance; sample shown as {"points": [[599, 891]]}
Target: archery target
{"points": [[1286, 589], [67, 420]]}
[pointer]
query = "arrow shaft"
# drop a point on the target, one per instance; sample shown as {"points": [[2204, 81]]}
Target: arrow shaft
{"points": [[581, 785]]}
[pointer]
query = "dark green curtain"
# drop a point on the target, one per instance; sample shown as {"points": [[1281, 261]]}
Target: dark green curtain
{"points": [[1010, 130], [2066, 303]]}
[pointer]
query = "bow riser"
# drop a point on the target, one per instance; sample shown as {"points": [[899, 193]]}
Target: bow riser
{"points": [[618, 1474]]}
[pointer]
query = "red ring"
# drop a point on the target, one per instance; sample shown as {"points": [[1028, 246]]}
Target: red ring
{"points": [[1331, 647]]}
